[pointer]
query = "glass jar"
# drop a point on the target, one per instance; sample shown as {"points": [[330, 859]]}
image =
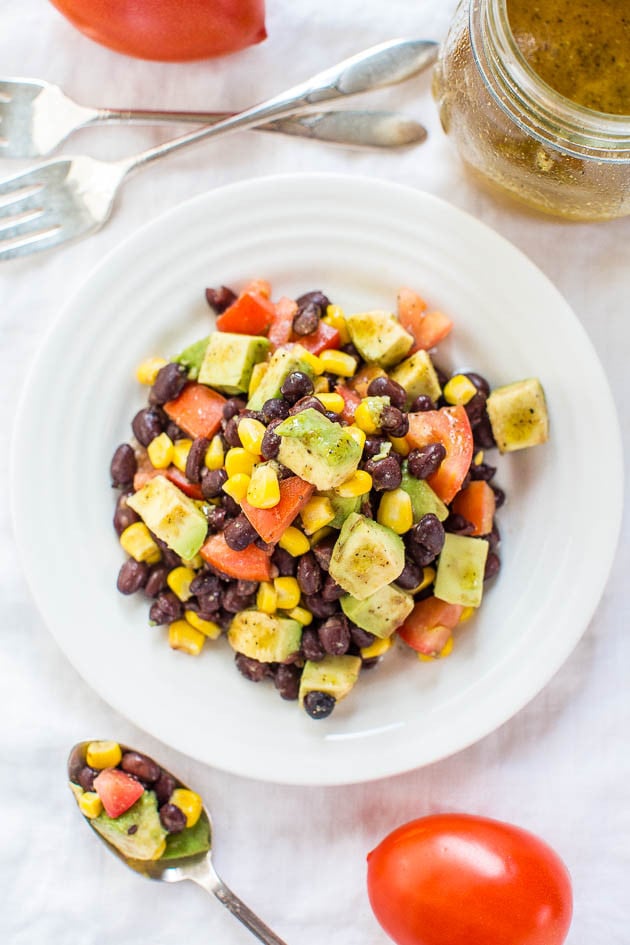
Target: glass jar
{"points": [[514, 130]]}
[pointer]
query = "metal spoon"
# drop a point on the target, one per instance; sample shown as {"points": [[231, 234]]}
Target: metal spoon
{"points": [[198, 868]]}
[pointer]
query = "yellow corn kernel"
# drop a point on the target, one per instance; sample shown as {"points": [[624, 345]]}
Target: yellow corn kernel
{"points": [[266, 598], [236, 486], [208, 627], [359, 483], [377, 648], [147, 370], [338, 362], [400, 445], [467, 613], [239, 460], [181, 449], [90, 804], [445, 651], [319, 535], [189, 803], [138, 542], [301, 614], [395, 511], [311, 359], [364, 420], [334, 402], [215, 454], [160, 451], [357, 434], [294, 541], [179, 581], [336, 319], [321, 385], [263, 491], [258, 372], [459, 390], [183, 636], [250, 433], [478, 458], [101, 755], [317, 512], [288, 592]]}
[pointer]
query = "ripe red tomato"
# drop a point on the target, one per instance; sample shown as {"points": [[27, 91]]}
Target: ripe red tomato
{"points": [[456, 879], [171, 30]]}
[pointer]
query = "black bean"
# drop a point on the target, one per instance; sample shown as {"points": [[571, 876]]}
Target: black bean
{"points": [[123, 467], [480, 382], [425, 540], [250, 668], [334, 417], [483, 435], [212, 482], [164, 787], [394, 422], [296, 385], [421, 404], [493, 565], [482, 471], [209, 603], [140, 766], [239, 533], [317, 297], [195, 459], [287, 681], [124, 516], [361, 638], [232, 407], [386, 473], [246, 588], [216, 517], [476, 409], [252, 414], [165, 608], [174, 432], [319, 705], [172, 818], [169, 557], [499, 496], [147, 424], [331, 590], [230, 506], [306, 319], [494, 538], [132, 576], [323, 551], [458, 525], [334, 635], [233, 602], [285, 563], [319, 607], [373, 446], [86, 778], [283, 472], [309, 575], [220, 299], [386, 387], [230, 432], [204, 583], [311, 646], [442, 376], [156, 581], [352, 350], [426, 460], [169, 383], [410, 576], [270, 446], [275, 409], [307, 403]]}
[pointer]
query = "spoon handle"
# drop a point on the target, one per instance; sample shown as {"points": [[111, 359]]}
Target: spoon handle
{"points": [[212, 883]]}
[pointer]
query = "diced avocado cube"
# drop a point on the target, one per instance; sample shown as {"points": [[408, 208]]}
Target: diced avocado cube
{"points": [[230, 359], [263, 637], [334, 675], [418, 376], [316, 449], [192, 357], [283, 361], [380, 613], [518, 415], [147, 841], [423, 499], [379, 337], [460, 570], [342, 507], [171, 516], [366, 556]]}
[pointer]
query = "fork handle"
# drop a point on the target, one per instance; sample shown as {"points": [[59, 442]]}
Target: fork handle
{"points": [[385, 64]]}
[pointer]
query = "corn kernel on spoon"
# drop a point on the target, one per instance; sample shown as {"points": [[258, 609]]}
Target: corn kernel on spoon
{"points": [[137, 833]]}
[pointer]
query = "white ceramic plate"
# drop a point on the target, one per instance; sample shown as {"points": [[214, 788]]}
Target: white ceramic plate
{"points": [[359, 240]]}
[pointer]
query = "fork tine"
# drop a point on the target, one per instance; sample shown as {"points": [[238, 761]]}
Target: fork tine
{"points": [[31, 178], [20, 201], [31, 242]]}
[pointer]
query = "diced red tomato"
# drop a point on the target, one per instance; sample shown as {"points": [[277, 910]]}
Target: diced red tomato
{"points": [[477, 503], [144, 471], [272, 523], [428, 627], [260, 286], [450, 427], [197, 411], [321, 340], [251, 314], [281, 328], [117, 790], [364, 376], [252, 564], [427, 328], [179, 479], [351, 401]]}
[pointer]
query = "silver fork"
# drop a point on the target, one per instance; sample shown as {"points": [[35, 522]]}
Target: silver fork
{"points": [[36, 116], [71, 197]]}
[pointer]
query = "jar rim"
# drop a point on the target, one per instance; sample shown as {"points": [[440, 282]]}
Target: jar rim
{"points": [[536, 107]]}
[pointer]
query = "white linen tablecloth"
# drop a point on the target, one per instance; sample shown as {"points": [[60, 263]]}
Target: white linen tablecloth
{"points": [[561, 767]]}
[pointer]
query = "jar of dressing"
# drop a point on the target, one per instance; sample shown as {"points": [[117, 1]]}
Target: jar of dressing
{"points": [[536, 95]]}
